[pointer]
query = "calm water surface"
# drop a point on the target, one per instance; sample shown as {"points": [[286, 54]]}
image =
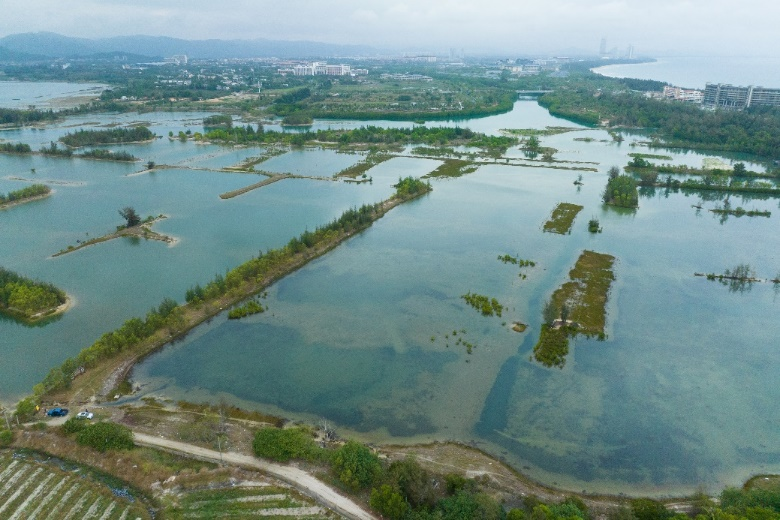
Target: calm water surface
{"points": [[682, 392], [696, 72]]}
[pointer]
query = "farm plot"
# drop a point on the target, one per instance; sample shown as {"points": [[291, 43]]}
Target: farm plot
{"points": [[33, 489], [247, 500]]}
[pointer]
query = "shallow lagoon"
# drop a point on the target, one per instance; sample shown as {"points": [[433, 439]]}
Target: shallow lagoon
{"points": [[681, 393]]}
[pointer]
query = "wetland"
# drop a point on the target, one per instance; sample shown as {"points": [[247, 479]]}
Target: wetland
{"points": [[658, 407]]}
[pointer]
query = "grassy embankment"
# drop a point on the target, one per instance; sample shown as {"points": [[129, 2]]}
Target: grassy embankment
{"points": [[115, 352], [576, 307]]}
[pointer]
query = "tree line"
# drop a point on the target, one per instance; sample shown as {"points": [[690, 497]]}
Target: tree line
{"points": [[22, 296], [109, 136], [34, 190], [20, 148], [367, 135], [755, 130]]}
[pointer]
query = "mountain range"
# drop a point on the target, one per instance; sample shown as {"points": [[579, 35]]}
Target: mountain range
{"points": [[47, 45]]}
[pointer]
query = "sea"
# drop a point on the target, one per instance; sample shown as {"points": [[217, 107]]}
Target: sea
{"points": [[697, 71]]}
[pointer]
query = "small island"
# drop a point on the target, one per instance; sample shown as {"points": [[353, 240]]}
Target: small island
{"points": [[29, 300], [621, 190], [135, 227], [139, 134], [576, 307], [28, 194], [562, 218]]}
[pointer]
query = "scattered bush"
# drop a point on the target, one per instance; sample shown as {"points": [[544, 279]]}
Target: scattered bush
{"points": [[6, 438], [74, 425], [104, 436], [284, 444]]}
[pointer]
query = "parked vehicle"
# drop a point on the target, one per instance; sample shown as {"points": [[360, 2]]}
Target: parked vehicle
{"points": [[57, 412], [86, 414]]}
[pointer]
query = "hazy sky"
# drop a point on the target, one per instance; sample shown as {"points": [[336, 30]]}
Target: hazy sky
{"points": [[685, 27]]}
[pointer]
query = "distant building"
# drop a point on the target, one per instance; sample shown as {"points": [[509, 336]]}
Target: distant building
{"points": [[179, 59], [683, 94], [728, 96], [320, 69], [406, 77]]}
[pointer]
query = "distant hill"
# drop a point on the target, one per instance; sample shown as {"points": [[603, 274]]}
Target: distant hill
{"points": [[54, 45], [10, 56]]}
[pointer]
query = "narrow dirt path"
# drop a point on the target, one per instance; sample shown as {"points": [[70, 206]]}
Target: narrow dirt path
{"points": [[301, 480]]}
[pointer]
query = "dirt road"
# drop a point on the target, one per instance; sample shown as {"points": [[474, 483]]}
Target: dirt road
{"points": [[301, 480]]}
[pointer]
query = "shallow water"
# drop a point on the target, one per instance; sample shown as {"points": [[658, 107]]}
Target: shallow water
{"points": [[681, 393]]}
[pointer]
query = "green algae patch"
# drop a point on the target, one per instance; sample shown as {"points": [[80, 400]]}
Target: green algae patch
{"points": [[562, 218]]}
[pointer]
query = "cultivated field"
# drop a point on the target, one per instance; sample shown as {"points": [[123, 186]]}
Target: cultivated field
{"points": [[48, 490], [245, 500]]}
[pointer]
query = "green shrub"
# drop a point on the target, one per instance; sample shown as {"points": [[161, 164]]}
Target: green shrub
{"points": [[515, 514], [25, 409], [104, 436], [356, 466], [74, 425], [6, 438], [739, 501], [413, 481], [285, 444], [388, 502], [647, 509]]}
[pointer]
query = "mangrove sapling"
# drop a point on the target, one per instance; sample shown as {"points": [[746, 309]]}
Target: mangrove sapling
{"points": [[594, 226], [486, 305], [739, 279]]}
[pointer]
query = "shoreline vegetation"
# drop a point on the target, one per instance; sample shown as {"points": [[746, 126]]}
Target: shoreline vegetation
{"points": [[579, 306], [120, 349], [142, 230], [80, 138], [24, 195], [30, 300]]}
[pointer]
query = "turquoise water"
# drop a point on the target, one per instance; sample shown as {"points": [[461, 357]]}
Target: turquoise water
{"points": [[681, 393]]}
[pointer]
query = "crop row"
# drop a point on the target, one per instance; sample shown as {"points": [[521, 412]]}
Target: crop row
{"points": [[33, 490], [243, 502]]}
